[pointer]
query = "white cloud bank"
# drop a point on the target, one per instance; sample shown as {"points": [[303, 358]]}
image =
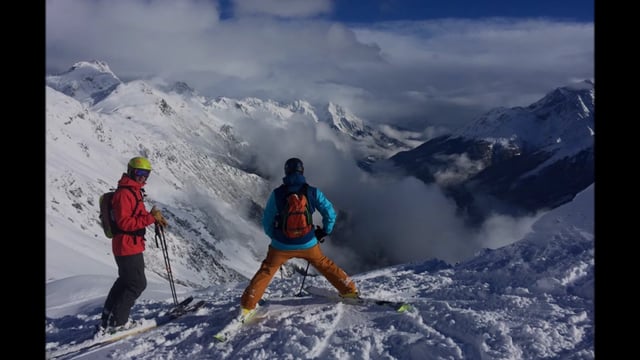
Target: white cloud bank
{"points": [[442, 71]]}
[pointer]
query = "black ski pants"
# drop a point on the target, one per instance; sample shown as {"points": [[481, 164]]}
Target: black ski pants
{"points": [[130, 283]]}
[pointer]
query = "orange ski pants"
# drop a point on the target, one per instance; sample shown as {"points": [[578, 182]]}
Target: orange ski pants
{"points": [[275, 258]]}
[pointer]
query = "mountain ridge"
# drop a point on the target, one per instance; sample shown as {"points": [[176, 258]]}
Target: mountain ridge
{"points": [[210, 177], [502, 161], [78, 82]]}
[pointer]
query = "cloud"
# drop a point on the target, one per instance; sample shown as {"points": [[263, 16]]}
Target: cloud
{"points": [[135, 38], [381, 220], [500, 230], [439, 65], [282, 8], [438, 72], [462, 168]]}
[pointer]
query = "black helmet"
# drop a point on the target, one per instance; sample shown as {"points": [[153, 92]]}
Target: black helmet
{"points": [[293, 165]]}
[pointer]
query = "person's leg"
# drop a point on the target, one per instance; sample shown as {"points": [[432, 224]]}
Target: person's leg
{"points": [[133, 282], [336, 276], [114, 293], [270, 265]]}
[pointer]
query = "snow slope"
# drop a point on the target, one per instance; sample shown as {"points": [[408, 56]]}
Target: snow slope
{"points": [[533, 299]]}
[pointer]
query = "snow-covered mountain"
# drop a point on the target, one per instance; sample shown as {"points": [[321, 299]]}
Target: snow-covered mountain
{"points": [[92, 81], [515, 160], [86, 81], [190, 152], [214, 165], [533, 299], [374, 144], [368, 144], [96, 122]]}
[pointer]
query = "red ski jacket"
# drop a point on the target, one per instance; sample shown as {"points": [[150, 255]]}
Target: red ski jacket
{"points": [[130, 216]]}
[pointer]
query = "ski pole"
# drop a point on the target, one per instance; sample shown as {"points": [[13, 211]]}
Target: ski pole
{"points": [[321, 240], [169, 271], [304, 277], [167, 263]]}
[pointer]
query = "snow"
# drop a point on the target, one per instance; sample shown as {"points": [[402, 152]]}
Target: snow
{"points": [[552, 124], [92, 80], [532, 299]]}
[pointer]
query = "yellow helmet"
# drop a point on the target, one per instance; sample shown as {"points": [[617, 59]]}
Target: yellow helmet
{"points": [[138, 165], [139, 162]]}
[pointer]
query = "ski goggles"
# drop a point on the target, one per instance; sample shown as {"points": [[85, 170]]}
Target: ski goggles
{"points": [[141, 172]]}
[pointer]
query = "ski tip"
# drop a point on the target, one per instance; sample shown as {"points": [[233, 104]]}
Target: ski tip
{"points": [[220, 337], [199, 304], [404, 308]]}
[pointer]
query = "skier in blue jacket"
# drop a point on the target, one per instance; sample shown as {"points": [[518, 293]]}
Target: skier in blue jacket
{"points": [[305, 246]]}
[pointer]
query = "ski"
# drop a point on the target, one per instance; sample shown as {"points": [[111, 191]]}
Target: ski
{"points": [[235, 325], [99, 342], [398, 306]]}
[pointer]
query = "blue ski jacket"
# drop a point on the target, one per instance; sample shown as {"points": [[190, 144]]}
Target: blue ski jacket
{"points": [[318, 202]]}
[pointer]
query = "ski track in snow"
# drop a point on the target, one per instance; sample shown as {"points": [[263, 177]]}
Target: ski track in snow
{"points": [[317, 328], [335, 317]]}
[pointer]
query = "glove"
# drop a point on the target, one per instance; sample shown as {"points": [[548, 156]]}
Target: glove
{"points": [[157, 214], [320, 233]]}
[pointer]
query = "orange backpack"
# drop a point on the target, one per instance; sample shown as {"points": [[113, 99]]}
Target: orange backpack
{"points": [[296, 216]]}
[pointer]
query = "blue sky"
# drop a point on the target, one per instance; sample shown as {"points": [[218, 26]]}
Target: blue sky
{"points": [[388, 10], [403, 62], [384, 10]]}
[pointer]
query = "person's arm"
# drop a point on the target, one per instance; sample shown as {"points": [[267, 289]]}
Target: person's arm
{"points": [[326, 210], [269, 216]]}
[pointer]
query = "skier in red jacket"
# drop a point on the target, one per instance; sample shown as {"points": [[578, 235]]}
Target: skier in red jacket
{"points": [[127, 245]]}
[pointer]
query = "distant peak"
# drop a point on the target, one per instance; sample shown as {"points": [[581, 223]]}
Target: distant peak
{"points": [[565, 113], [86, 81], [182, 87], [303, 107], [582, 85], [336, 109], [569, 93], [98, 65]]}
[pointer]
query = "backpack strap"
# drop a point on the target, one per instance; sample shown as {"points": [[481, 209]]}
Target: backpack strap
{"points": [[282, 191], [135, 207], [311, 198], [306, 190], [134, 233]]}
